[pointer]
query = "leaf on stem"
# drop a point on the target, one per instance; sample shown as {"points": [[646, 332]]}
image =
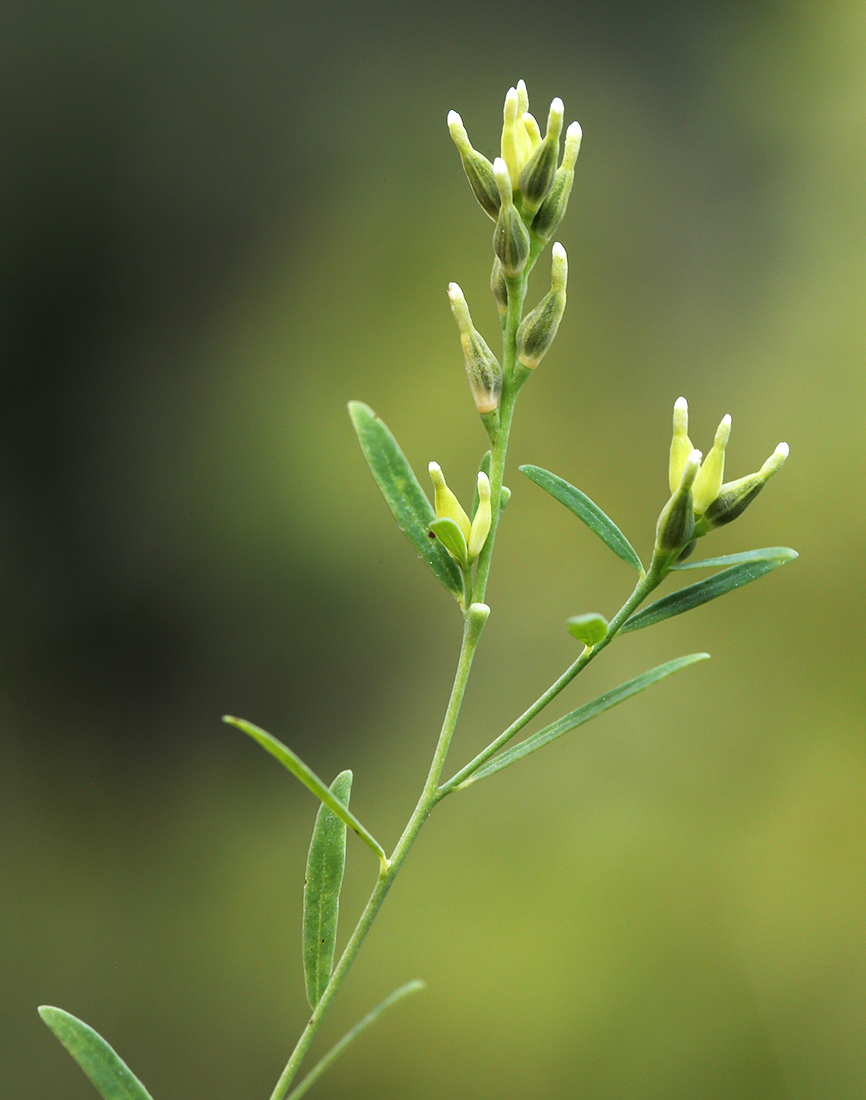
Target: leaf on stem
{"points": [[326, 862], [111, 1076], [583, 714], [403, 495], [580, 504], [709, 589], [767, 554], [336, 1050], [311, 781]]}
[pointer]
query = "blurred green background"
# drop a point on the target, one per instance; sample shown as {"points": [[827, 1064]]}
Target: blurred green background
{"points": [[222, 221]]}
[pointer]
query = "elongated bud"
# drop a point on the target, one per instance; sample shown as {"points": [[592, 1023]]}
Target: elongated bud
{"points": [[510, 237], [709, 479], [482, 367], [681, 445], [677, 520], [516, 143], [446, 504], [499, 287], [481, 520], [552, 210], [478, 169], [736, 496], [537, 176], [538, 328]]}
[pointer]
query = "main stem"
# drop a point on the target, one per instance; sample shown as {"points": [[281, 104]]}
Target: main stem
{"points": [[473, 624]]}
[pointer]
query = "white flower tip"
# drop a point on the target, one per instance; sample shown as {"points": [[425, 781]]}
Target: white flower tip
{"points": [[454, 292], [694, 458], [454, 119], [511, 102], [433, 468], [574, 131], [726, 421], [783, 450], [558, 252], [557, 107], [681, 405], [483, 484]]}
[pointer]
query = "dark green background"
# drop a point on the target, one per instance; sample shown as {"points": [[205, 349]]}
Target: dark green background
{"points": [[222, 221]]}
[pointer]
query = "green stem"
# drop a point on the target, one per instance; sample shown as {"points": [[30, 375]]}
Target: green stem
{"points": [[642, 589], [474, 620]]}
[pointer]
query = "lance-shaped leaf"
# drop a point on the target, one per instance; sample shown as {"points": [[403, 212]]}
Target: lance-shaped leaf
{"points": [[308, 777], [111, 1076], [709, 589], [580, 504], [326, 862], [769, 553], [583, 714], [338, 1048], [403, 495]]}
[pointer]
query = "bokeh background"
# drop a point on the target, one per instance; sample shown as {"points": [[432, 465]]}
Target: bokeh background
{"points": [[222, 221]]}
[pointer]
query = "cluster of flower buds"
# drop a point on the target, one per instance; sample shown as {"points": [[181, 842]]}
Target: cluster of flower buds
{"points": [[700, 500], [463, 538], [527, 179]]}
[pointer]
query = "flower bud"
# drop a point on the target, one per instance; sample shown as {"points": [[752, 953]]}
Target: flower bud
{"points": [[681, 445], [589, 629], [537, 176], [446, 504], [552, 210], [538, 328], [516, 142], [709, 479], [482, 367], [478, 169], [736, 496], [677, 520], [510, 237], [481, 520]]}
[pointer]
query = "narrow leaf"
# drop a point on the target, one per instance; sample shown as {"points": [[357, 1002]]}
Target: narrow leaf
{"points": [[768, 553], [704, 591], [403, 495], [310, 780], [583, 714], [580, 504], [111, 1076], [336, 1050], [325, 865]]}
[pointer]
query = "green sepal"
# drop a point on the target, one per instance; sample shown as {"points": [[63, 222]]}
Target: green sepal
{"points": [[326, 862], [709, 589], [583, 714], [308, 777], [580, 504], [362, 1025], [767, 554], [403, 495], [110, 1075], [589, 629], [451, 537]]}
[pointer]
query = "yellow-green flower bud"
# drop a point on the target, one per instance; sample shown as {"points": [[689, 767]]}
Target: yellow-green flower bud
{"points": [[709, 479], [537, 176], [482, 367], [499, 287], [736, 496], [516, 142], [552, 210], [446, 504], [533, 132], [478, 169], [681, 445], [538, 328], [510, 237], [677, 520], [481, 520]]}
